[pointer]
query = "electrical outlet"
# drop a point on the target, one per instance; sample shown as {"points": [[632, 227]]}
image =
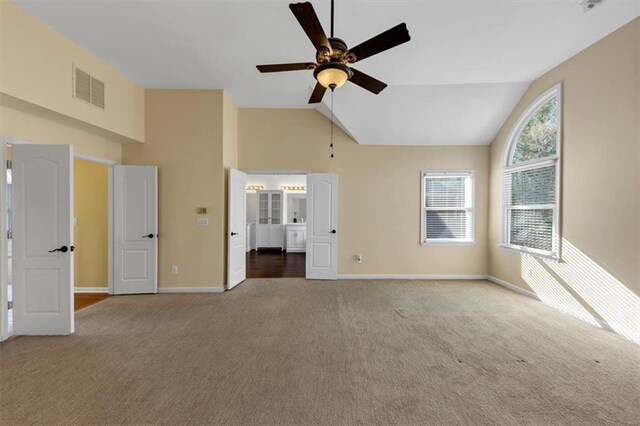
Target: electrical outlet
{"points": [[358, 258], [174, 269]]}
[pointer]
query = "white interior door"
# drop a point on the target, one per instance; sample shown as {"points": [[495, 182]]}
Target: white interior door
{"points": [[43, 239], [322, 226], [237, 240], [135, 229]]}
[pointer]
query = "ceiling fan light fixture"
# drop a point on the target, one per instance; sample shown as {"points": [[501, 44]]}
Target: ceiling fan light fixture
{"points": [[332, 75]]}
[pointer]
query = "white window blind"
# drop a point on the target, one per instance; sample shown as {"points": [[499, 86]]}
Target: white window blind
{"points": [[530, 186], [447, 209]]}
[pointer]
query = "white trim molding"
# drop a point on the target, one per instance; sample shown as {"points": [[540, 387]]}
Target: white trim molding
{"points": [[77, 289], [513, 287], [409, 277], [605, 325], [190, 289]]}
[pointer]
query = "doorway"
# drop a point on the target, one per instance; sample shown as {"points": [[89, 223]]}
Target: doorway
{"points": [[276, 225], [91, 231]]}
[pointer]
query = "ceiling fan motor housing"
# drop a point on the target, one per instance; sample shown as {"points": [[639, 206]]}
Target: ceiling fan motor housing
{"points": [[339, 49]]}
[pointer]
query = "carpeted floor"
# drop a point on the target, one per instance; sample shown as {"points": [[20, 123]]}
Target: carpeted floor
{"points": [[290, 351]]}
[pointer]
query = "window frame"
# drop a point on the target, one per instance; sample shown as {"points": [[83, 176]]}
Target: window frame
{"points": [[508, 168], [470, 210]]}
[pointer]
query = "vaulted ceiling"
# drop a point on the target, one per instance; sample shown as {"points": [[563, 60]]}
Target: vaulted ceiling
{"points": [[454, 83]]}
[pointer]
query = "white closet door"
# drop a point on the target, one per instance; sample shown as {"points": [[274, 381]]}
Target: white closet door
{"points": [[322, 226], [276, 229], [262, 227], [135, 229]]}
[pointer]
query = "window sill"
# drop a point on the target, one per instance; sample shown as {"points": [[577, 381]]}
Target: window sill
{"points": [[447, 243], [523, 250]]}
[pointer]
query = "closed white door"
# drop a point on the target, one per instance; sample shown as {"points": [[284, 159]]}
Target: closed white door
{"points": [[262, 227], [237, 217], [270, 228], [135, 229], [42, 239], [276, 228], [322, 226]]}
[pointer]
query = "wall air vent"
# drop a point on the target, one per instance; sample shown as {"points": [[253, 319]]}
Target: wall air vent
{"points": [[590, 4], [88, 88]]}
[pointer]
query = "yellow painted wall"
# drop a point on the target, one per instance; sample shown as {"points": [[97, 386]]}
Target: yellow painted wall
{"points": [[379, 190], [27, 122], [600, 212], [36, 66], [184, 131], [229, 159], [91, 233]]}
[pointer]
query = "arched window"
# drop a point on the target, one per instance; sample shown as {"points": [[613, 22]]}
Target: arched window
{"points": [[531, 179]]}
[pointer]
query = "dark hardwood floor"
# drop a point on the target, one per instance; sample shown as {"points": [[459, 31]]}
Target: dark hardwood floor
{"points": [[82, 300], [275, 264]]}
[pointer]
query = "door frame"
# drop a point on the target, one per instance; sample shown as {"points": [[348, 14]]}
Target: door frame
{"points": [[4, 258]]}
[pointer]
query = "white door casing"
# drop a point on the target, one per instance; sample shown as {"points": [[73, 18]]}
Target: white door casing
{"points": [[322, 226], [43, 239], [135, 229], [236, 238]]}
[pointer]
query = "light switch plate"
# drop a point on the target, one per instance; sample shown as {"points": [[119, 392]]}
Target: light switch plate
{"points": [[203, 221]]}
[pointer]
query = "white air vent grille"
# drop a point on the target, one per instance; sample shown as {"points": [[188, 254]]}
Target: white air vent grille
{"points": [[88, 88]]}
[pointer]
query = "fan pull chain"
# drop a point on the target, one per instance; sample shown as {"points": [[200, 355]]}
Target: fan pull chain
{"points": [[331, 146]]}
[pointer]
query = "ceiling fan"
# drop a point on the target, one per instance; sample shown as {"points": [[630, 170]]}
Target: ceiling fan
{"points": [[333, 57]]}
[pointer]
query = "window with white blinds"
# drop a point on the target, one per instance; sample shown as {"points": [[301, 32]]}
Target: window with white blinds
{"points": [[447, 207], [531, 179]]}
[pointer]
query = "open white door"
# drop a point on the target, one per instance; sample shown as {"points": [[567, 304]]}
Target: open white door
{"points": [[135, 229], [322, 225], [42, 239], [237, 219]]}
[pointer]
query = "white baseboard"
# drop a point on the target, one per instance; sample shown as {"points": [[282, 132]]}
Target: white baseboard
{"points": [[409, 277], [91, 289], [513, 287], [190, 289], [534, 296]]}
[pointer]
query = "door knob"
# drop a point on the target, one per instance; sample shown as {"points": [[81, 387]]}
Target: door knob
{"points": [[234, 233], [333, 231], [62, 249], [148, 236]]}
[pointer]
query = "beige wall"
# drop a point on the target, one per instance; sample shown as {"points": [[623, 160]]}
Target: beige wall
{"points": [[91, 232], [36, 66], [600, 182], [20, 120], [379, 190], [229, 158], [184, 132]]}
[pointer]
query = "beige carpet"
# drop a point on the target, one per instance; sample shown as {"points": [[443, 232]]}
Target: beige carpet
{"points": [[302, 352]]}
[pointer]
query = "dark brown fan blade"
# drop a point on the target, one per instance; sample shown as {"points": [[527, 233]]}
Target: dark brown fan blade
{"points": [[367, 82], [286, 67], [318, 94], [383, 41], [310, 23]]}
